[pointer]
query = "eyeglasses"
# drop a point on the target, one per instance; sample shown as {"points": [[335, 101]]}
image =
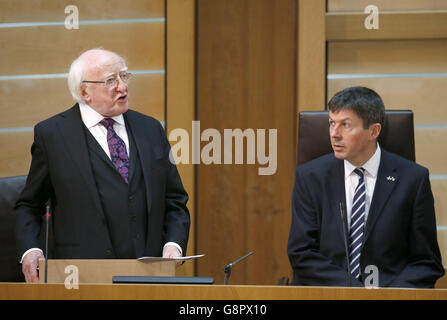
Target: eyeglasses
{"points": [[111, 82]]}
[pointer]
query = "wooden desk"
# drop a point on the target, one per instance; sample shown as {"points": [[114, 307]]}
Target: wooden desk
{"points": [[23, 291]]}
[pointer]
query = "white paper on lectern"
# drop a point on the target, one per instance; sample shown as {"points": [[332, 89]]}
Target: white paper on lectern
{"points": [[169, 259]]}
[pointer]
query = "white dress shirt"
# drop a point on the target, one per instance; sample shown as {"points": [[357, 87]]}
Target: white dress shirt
{"points": [[91, 120], [352, 179]]}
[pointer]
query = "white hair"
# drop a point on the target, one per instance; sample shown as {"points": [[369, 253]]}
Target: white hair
{"points": [[75, 77], [77, 70]]}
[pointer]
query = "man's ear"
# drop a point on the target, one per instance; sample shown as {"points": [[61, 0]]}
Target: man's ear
{"points": [[84, 93], [374, 130]]}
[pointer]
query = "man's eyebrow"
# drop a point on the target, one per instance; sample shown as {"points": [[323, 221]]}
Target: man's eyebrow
{"points": [[341, 120], [108, 74]]}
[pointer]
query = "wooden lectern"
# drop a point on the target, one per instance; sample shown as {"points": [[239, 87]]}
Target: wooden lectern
{"points": [[102, 271]]}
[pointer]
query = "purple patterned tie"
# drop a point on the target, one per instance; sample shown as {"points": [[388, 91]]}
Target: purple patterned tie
{"points": [[117, 149]]}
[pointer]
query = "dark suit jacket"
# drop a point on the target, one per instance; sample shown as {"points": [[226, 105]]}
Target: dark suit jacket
{"points": [[400, 232], [61, 170]]}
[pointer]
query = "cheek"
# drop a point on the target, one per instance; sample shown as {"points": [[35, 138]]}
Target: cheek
{"points": [[350, 139], [358, 141]]}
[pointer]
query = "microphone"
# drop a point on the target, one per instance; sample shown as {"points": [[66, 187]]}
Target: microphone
{"points": [[344, 223], [47, 222], [227, 268]]}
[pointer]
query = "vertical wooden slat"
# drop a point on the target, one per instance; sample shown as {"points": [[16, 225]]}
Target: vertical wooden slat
{"points": [[180, 100], [246, 79], [221, 97], [311, 55]]}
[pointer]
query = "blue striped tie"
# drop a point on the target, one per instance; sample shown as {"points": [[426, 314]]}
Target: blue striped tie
{"points": [[357, 225]]}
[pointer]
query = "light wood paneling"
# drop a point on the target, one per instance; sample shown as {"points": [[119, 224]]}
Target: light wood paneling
{"points": [[442, 241], [50, 10], [311, 67], [431, 149], [439, 189], [180, 110], [221, 91], [400, 56], [43, 50], [16, 154], [392, 26], [26, 102], [360, 5], [271, 105], [425, 96], [246, 79]]}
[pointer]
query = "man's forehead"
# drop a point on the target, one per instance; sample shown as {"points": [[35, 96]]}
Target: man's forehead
{"points": [[107, 67], [344, 115]]}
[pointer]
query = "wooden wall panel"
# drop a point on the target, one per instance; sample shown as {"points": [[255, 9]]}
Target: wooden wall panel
{"points": [[407, 74], [49, 49], [439, 188], [400, 56], [246, 80], [180, 89], [359, 5], [423, 95], [26, 102], [311, 53], [16, 153], [392, 26], [221, 99], [270, 105], [49, 10], [442, 241], [431, 149]]}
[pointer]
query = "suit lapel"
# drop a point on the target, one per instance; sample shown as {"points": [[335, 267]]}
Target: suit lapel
{"points": [[336, 182], [386, 181], [95, 147], [142, 144], [70, 128]]}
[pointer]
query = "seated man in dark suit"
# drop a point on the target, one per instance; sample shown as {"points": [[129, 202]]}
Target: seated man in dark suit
{"points": [[385, 200], [106, 169]]}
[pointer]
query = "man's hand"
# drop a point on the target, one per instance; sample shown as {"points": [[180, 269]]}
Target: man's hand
{"points": [[172, 252], [29, 265]]}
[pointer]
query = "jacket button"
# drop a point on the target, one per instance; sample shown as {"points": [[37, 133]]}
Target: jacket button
{"points": [[108, 252]]}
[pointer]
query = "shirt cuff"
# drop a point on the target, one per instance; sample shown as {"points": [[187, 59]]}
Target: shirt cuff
{"points": [[175, 245], [28, 251]]}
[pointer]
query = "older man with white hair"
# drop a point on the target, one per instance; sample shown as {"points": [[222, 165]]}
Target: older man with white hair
{"points": [[106, 170]]}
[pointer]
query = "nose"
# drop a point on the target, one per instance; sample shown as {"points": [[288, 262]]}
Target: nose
{"points": [[334, 132], [122, 85]]}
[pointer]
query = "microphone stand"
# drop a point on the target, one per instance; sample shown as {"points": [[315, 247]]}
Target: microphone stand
{"points": [[47, 222], [344, 222], [227, 268]]}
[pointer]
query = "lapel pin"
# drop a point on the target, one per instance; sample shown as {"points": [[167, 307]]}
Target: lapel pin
{"points": [[389, 178]]}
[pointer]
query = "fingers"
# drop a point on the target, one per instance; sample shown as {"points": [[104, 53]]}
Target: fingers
{"points": [[30, 264], [31, 274], [172, 252]]}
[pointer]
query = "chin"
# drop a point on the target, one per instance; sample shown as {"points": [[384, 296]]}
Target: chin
{"points": [[121, 109], [339, 155]]}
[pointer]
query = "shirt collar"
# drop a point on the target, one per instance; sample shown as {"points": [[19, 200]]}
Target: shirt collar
{"points": [[371, 166], [91, 117]]}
